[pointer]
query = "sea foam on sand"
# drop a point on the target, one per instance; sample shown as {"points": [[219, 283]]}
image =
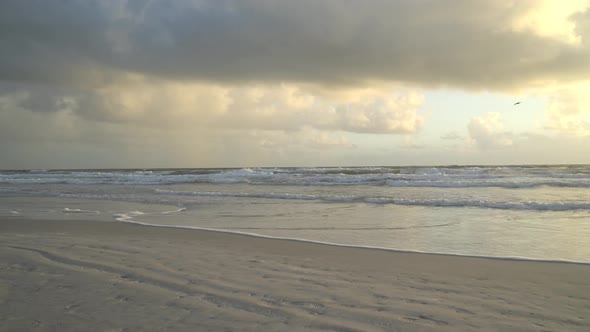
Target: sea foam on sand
{"points": [[85, 275]]}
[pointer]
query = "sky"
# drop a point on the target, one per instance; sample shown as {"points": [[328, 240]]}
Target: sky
{"points": [[251, 83]]}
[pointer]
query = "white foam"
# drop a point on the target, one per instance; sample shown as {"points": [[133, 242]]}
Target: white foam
{"points": [[507, 177], [479, 183], [537, 206], [127, 216], [270, 195], [68, 210], [174, 211]]}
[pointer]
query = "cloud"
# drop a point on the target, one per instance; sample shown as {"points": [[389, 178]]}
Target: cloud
{"points": [[485, 44], [569, 110], [177, 105], [487, 131], [304, 138], [64, 139], [229, 82], [452, 135], [133, 121], [552, 19]]}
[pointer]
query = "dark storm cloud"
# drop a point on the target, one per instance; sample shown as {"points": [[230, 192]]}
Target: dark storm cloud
{"points": [[460, 43]]}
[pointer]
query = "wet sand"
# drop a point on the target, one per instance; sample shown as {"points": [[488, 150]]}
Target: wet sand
{"points": [[112, 276]]}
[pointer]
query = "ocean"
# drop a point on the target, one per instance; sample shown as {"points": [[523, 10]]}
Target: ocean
{"points": [[527, 212]]}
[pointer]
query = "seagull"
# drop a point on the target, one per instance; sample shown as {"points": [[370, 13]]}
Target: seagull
{"points": [[517, 103]]}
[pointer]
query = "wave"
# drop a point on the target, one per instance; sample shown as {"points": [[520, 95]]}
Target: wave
{"points": [[437, 177], [502, 205], [76, 211], [537, 206], [482, 183], [260, 195], [127, 216]]}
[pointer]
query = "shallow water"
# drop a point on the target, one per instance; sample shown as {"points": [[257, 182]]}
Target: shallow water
{"points": [[537, 212]]}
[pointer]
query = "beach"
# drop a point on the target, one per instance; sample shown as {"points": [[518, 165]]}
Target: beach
{"points": [[202, 165], [75, 275]]}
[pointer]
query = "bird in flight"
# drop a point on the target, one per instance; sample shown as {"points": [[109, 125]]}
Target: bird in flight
{"points": [[517, 103]]}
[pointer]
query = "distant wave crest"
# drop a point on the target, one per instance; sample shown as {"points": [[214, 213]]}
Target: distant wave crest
{"points": [[435, 177], [538, 206]]}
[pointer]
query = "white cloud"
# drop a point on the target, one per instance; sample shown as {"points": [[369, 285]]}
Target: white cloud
{"points": [[550, 18], [452, 135], [304, 138], [569, 110], [168, 104], [487, 131], [187, 124]]}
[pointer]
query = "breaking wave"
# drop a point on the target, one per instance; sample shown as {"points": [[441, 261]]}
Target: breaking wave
{"points": [[441, 177], [503, 205]]}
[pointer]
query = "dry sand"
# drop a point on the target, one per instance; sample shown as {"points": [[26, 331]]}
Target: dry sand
{"points": [[110, 276]]}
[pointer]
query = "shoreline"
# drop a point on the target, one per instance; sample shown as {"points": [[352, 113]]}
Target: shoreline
{"points": [[303, 241], [262, 236], [64, 274]]}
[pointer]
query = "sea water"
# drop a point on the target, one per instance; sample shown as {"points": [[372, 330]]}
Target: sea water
{"points": [[534, 212]]}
